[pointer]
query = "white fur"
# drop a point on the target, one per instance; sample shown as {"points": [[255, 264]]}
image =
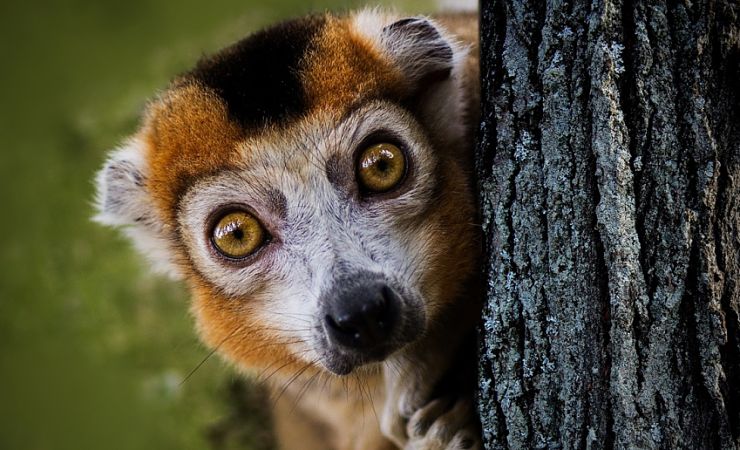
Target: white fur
{"points": [[325, 234], [123, 201]]}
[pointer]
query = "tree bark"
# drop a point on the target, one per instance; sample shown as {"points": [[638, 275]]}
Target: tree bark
{"points": [[609, 170]]}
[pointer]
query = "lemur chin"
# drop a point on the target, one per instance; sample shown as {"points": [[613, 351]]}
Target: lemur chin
{"points": [[312, 184]]}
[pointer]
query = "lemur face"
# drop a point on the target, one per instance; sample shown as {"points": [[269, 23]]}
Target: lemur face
{"points": [[305, 183]]}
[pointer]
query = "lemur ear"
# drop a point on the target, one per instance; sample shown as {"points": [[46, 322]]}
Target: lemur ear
{"points": [[122, 201], [418, 48], [432, 62], [121, 195]]}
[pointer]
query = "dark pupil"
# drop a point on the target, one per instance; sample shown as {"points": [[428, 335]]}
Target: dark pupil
{"points": [[382, 165], [238, 234]]}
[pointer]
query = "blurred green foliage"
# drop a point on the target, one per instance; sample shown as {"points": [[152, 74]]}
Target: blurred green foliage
{"points": [[93, 349]]}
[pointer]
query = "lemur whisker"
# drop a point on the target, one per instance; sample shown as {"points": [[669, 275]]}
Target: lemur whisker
{"points": [[327, 379], [309, 156], [258, 376], [346, 388], [370, 398], [362, 398], [292, 379], [286, 330], [297, 316], [409, 366], [290, 360], [393, 366], [208, 356], [273, 344], [304, 389]]}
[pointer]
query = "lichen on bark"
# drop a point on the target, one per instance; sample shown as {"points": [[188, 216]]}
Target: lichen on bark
{"points": [[609, 170]]}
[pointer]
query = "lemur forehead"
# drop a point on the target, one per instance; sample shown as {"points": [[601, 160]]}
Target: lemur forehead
{"points": [[187, 135], [347, 66], [259, 77], [257, 87], [284, 72]]}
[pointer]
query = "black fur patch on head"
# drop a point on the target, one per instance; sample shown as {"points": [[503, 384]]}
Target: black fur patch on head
{"points": [[259, 77]]}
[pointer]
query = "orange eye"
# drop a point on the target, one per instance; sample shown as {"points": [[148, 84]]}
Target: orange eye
{"points": [[381, 167], [238, 234]]}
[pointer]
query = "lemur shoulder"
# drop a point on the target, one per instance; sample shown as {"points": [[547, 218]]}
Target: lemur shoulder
{"points": [[312, 186]]}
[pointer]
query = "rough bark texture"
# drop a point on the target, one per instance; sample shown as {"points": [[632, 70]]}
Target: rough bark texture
{"points": [[609, 168]]}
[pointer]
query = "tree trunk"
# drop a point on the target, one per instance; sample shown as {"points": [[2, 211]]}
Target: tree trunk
{"points": [[609, 169]]}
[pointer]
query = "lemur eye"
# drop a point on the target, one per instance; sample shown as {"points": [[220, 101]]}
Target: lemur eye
{"points": [[238, 234], [381, 167]]}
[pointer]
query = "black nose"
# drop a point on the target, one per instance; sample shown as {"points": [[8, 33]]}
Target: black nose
{"points": [[362, 317]]}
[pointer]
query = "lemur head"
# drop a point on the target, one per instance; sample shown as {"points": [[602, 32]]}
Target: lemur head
{"points": [[308, 184]]}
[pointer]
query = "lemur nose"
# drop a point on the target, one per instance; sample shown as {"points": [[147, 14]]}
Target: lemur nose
{"points": [[362, 318]]}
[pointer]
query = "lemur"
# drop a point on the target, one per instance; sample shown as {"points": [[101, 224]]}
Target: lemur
{"points": [[312, 185]]}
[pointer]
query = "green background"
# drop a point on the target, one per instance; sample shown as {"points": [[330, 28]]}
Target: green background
{"points": [[93, 348]]}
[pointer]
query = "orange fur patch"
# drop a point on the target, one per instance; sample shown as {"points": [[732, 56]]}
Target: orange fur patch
{"points": [[456, 240], [345, 67], [231, 326], [189, 135]]}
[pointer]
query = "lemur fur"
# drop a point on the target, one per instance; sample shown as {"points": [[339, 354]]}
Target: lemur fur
{"points": [[350, 278]]}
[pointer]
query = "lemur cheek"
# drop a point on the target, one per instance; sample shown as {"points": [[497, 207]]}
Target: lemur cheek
{"points": [[237, 328], [446, 266]]}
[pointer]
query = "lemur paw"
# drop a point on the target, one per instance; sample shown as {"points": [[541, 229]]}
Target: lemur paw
{"points": [[443, 425], [405, 399]]}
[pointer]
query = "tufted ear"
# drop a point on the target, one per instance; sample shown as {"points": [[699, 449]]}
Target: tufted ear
{"points": [[418, 48], [122, 200]]}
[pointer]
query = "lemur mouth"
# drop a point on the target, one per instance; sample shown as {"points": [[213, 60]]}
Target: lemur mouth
{"points": [[340, 364], [364, 321]]}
